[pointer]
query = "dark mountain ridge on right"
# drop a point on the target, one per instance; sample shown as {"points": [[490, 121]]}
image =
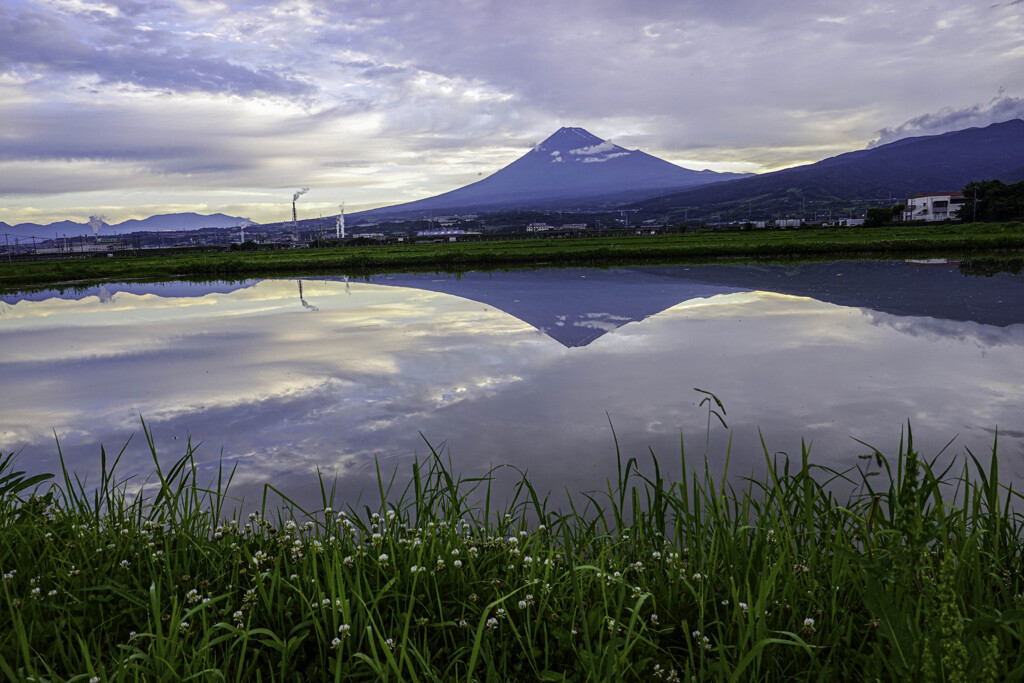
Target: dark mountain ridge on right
{"points": [[897, 170]]}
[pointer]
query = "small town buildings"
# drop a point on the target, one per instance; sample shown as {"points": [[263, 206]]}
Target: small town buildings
{"points": [[933, 206]]}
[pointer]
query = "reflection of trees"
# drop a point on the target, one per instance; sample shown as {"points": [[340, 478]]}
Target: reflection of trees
{"points": [[990, 267], [307, 306]]}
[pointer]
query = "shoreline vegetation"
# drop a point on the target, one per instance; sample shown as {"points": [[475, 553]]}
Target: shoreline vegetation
{"points": [[978, 240], [916, 576]]}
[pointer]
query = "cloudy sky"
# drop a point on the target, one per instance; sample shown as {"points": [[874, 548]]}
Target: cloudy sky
{"points": [[129, 108]]}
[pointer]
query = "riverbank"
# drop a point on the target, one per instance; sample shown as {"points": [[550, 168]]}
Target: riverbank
{"points": [[918, 241], [915, 576]]}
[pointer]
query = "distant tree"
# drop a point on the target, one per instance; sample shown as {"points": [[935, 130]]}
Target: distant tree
{"points": [[882, 215], [992, 200]]}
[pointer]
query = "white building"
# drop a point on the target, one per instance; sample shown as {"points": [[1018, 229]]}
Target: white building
{"points": [[933, 206]]}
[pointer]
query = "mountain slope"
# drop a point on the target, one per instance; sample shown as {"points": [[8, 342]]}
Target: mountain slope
{"points": [[571, 167], [898, 169]]}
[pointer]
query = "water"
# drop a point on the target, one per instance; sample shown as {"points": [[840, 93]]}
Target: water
{"points": [[532, 369]]}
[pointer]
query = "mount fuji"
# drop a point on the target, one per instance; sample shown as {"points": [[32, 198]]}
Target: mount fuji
{"points": [[572, 168]]}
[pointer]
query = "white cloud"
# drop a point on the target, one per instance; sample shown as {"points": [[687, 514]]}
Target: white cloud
{"points": [[605, 146], [998, 109], [597, 160]]}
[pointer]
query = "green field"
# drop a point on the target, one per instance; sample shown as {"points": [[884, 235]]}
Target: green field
{"points": [[821, 243], [914, 574]]}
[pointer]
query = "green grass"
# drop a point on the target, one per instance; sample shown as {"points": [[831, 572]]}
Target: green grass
{"points": [[913, 575], [821, 243]]}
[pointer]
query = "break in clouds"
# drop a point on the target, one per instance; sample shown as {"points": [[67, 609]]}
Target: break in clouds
{"points": [[401, 99]]}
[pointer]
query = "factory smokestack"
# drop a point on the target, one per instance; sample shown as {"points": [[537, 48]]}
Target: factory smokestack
{"points": [[96, 222], [339, 227], [295, 198]]}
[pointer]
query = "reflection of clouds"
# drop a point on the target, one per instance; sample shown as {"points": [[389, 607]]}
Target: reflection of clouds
{"points": [[284, 393], [935, 329]]}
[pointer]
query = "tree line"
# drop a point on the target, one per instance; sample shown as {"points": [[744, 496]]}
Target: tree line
{"points": [[992, 200]]}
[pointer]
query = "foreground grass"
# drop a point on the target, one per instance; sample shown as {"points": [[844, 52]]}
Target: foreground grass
{"points": [[889, 242], [916, 576]]}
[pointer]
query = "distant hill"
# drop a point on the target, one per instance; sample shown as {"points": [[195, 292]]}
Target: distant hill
{"points": [[163, 222], [898, 170], [572, 168]]}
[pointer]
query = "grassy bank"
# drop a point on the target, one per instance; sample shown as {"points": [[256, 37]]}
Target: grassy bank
{"points": [[898, 242], [916, 576]]}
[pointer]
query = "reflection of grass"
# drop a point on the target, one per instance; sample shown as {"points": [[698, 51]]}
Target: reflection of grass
{"points": [[824, 243], [916, 576]]}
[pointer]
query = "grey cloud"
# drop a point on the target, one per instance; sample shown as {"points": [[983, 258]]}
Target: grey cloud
{"points": [[999, 109], [150, 61]]}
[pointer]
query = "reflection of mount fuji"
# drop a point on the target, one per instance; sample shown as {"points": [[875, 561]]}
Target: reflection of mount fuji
{"points": [[577, 306], [572, 306]]}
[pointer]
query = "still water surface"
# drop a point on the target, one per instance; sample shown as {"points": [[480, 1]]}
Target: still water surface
{"points": [[528, 368]]}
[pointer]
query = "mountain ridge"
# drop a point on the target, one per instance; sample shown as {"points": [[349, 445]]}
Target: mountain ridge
{"points": [[899, 169], [160, 222]]}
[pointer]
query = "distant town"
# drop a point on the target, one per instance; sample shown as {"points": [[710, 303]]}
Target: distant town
{"points": [[505, 225]]}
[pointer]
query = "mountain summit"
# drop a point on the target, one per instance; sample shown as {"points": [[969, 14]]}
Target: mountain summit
{"points": [[572, 168]]}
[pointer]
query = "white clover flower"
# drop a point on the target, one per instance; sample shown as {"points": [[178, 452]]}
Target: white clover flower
{"points": [[335, 643], [390, 642], [702, 640], [808, 623], [457, 564], [383, 558], [94, 679], [289, 525], [500, 612], [522, 604], [455, 552], [183, 628], [492, 623], [463, 623], [654, 619], [656, 555], [349, 560], [52, 593], [344, 630], [125, 564], [743, 606]]}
